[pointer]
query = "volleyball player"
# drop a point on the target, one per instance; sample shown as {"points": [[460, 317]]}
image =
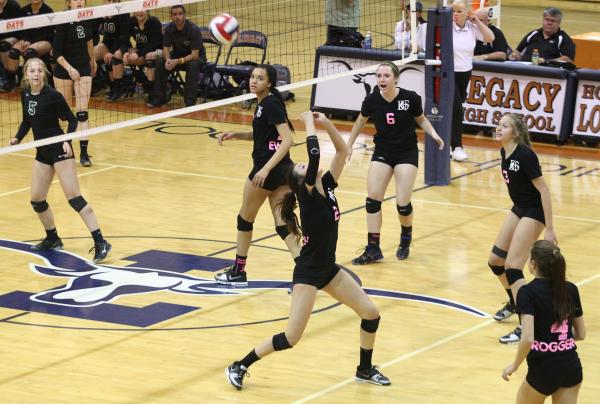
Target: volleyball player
{"points": [[552, 320], [146, 31], [531, 212], [73, 50], [395, 112], [273, 138], [42, 109], [115, 42], [316, 268]]}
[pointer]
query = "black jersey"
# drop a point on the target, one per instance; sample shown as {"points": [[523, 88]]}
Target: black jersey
{"points": [[115, 30], [553, 47], [12, 9], [42, 33], [498, 45], [185, 41], [394, 121], [518, 171], [70, 42], [319, 217], [269, 112], [550, 338], [149, 38], [41, 113]]}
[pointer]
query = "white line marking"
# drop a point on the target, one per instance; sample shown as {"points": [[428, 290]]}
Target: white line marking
{"points": [[416, 352], [56, 181]]}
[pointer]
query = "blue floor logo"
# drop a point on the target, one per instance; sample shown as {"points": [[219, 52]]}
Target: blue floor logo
{"points": [[92, 290]]}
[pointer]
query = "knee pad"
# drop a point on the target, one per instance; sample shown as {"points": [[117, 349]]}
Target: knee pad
{"points": [[39, 206], [14, 54], [370, 326], [116, 61], [499, 252], [497, 269], [513, 275], [5, 46], [243, 225], [30, 54], [282, 231], [372, 205], [405, 210], [82, 116], [78, 203], [150, 64], [280, 342]]}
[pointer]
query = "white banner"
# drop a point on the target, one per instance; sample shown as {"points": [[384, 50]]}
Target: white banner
{"points": [[540, 101], [348, 93], [587, 109]]}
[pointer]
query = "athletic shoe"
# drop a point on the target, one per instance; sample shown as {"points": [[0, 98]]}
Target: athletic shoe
{"points": [[372, 375], [404, 247], [116, 94], [230, 276], [459, 154], [101, 251], [511, 337], [505, 312], [369, 255], [84, 160], [235, 374], [46, 245]]}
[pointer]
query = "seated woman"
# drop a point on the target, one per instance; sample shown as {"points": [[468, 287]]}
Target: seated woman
{"points": [[146, 31]]}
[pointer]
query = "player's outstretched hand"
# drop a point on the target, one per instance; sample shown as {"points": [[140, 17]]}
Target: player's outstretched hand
{"points": [[221, 137]]}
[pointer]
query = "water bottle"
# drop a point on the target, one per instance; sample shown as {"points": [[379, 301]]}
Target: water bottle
{"points": [[367, 41], [535, 57]]}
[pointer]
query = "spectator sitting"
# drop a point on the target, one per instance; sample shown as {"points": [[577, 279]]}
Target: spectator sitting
{"points": [[486, 51], [9, 9], [551, 42], [402, 38], [182, 46]]}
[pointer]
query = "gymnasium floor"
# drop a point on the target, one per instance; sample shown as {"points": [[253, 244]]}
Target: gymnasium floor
{"points": [[149, 326]]}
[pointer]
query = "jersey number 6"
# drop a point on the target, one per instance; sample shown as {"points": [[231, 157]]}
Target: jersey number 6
{"points": [[391, 119]]}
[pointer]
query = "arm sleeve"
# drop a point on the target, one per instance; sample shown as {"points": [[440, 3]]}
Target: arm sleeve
{"points": [[314, 155], [532, 167], [523, 44], [567, 48], [65, 113], [196, 37], [525, 301], [58, 43], [24, 126], [500, 44], [328, 181], [167, 37]]}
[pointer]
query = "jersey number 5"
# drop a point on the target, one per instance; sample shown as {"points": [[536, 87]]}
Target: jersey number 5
{"points": [[391, 119], [31, 107]]}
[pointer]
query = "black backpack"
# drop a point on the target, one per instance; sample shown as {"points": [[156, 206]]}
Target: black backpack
{"points": [[284, 77], [340, 36]]}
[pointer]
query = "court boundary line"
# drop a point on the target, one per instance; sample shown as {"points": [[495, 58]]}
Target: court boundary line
{"points": [[416, 352]]}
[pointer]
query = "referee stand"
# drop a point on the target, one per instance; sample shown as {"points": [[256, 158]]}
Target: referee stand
{"points": [[439, 92]]}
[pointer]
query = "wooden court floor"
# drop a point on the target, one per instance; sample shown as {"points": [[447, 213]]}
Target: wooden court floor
{"points": [[166, 196]]}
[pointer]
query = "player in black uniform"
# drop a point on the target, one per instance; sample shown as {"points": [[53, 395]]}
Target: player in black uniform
{"points": [[395, 112], [316, 268], [73, 50], [552, 318], [115, 42], [146, 31], [532, 210], [9, 9], [35, 42], [42, 109], [273, 138]]}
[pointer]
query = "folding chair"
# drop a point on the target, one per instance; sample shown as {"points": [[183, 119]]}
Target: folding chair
{"points": [[208, 82]]}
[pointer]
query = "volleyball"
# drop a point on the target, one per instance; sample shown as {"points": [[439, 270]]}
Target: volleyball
{"points": [[224, 28]]}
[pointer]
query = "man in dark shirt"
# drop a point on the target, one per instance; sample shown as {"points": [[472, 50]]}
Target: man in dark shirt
{"points": [[551, 42], [182, 46], [497, 50]]}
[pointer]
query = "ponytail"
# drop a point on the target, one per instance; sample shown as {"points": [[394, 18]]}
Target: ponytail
{"points": [[288, 205], [551, 264], [272, 74], [520, 129]]}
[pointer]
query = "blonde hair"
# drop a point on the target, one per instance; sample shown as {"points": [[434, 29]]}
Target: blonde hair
{"points": [[459, 3], [519, 128], [68, 4], [26, 83]]}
